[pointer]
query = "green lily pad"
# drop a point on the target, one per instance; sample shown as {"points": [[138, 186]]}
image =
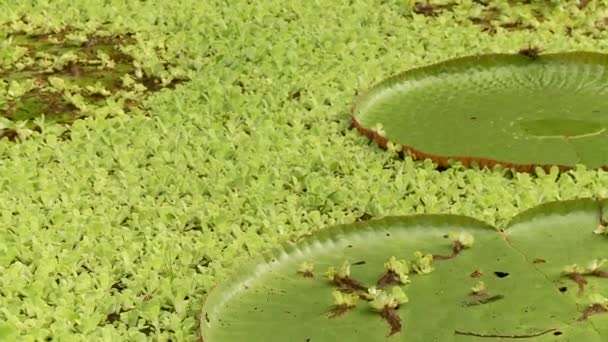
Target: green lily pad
{"points": [[541, 278], [510, 109]]}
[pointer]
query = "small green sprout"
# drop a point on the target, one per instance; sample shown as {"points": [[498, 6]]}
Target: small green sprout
{"points": [[343, 302], [571, 269], [379, 129], [18, 127], [401, 268], [17, 89], [77, 38], [465, 239], [601, 229], [386, 305], [595, 265], [409, 5], [57, 82], [77, 100], [98, 88], [422, 263], [598, 304], [345, 299], [106, 60], [575, 273], [127, 81], [399, 295], [479, 288], [479, 295], [593, 268], [460, 241], [598, 299], [306, 269], [331, 273], [393, 147], [342, 279], [384, 300], [372, 293], [578, 273], [343, 273], [345, 269], [64, 59]]}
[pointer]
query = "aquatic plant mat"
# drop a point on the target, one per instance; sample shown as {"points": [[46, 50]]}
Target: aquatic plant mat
{"points": [[118, 218], [62, 74]]}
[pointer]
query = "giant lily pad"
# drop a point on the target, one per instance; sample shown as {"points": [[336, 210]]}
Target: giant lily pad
{"points": [[510, 109], [541, 278]]}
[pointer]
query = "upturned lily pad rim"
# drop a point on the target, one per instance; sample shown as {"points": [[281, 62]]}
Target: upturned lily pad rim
{"points": [[223, 291], [444, 161]]}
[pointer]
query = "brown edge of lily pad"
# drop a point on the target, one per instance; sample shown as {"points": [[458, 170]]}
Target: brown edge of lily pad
{"points": [[467, 161]]}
